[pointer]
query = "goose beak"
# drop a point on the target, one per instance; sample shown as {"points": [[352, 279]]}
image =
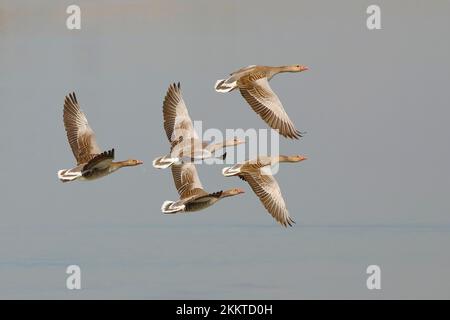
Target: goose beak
{"points": [[303, 68], [139, 162], [303, 158]]}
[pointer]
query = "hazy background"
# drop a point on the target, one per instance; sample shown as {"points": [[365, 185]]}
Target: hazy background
{"points": [[375, 190]]}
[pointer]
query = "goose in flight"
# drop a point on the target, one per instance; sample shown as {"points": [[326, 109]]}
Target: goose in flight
{"points": [[92, 163], [184, 141], [253, 83], [192, 195], [257, 173]]}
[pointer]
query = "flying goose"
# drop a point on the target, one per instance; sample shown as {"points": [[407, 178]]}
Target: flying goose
{"points": [[92, 163], [253, 83], [185, 142], [259, 176], [192, 195]]}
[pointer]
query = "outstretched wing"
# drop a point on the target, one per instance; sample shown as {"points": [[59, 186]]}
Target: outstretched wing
{"points": [[268, 191], [80, 135], [186, 180], [266, 103], [177, 122]]}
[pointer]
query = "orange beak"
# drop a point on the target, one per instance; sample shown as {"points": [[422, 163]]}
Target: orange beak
{"points": [[303, 68], [303, 158]]}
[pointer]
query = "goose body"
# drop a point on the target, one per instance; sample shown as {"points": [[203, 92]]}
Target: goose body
{"points": [[92, 163], [253, 83], [192, 195], [257, 173], [185, 143]]}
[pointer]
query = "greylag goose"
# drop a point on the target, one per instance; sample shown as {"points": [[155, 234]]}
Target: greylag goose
{"points": [[185, 142], [92, 163], [259, 176], [253, 83], [192, 195]]}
